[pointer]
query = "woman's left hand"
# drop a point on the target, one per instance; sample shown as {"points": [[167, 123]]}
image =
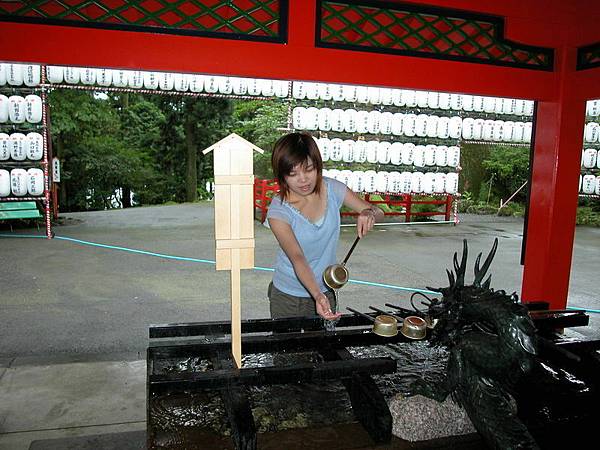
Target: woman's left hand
{"points": [[365, 221]]}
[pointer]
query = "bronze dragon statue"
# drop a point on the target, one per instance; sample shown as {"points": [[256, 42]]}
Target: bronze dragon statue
{"points": [[492, 343]]}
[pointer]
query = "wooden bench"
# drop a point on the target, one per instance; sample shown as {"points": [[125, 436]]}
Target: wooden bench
{"points": [[19, 210]]}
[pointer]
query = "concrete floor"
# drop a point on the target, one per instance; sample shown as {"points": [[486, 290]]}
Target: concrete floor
{"points": [[76, 309]]}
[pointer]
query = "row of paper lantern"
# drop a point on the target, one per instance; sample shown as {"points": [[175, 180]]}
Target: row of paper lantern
{"points": [[20, 74], [17, 109], [590, 158], [19, 146], [166, 81], [397, 153], [399, 124], [371, 181], [589, 184], [409, 98], [21, 182], [591, 132]]}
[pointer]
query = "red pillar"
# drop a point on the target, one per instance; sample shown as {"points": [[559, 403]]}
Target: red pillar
{"points": [[554, 189]]}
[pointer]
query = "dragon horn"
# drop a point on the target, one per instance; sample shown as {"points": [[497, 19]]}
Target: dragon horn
{"points": [[460, 271], [486, 265], [450, 278], [487, 282]]}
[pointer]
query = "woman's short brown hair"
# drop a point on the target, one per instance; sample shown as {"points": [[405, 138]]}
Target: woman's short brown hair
{"points": [[292, 150]]}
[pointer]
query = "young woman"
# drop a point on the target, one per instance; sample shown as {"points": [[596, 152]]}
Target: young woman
{"points": [[305, 219]]}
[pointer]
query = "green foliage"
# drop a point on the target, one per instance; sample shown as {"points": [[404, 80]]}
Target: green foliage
{"points": [[507, 168], [586, 215]]}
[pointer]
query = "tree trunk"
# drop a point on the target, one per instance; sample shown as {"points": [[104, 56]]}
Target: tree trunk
{"points": [[191, 176], [126, 197]]}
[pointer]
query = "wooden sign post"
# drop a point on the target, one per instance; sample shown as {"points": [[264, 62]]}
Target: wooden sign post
{"points": [[234, 220]]}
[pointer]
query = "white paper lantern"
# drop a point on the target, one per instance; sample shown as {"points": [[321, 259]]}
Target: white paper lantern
{"points": [[372, 151], [181, 82], [467, 128], [489, 104], [253, 86], [433, 100], [381, 181], [383, 152], [467, 102], [478, 129], [280, 87], [507, 131], [298, 90], [408, 154], [104, 78], [421, 125], [529, 106], [439, 183], [14, 74], [419, 156], [518, 130], [385, 122], [3, 67], [373, 122], [488, 129], [211, 85], [453, 156], [451, 183], [225, 87], [54, 74], [397, 99], [429, 155], [396, 153], [360, 151], [33, 108], [428, 183], [35, 182], [589, 184], [298, 118], [527, 131], [337, 119], [16, 109], [421, 99], [358, 181], [591, 132], [325, 92], [350, 94], [397, 124], [4, 115], [386, 96], [267, 88], [431, 124], [444, 100], [508, 105], [72, 75], [362, 119], [35, 146], [443, 128], [312, 90], [32, 75], [589, 158], [593, 108], [369, 181], [478, 103], [348, 150], [497, 131], [238, 86], [4, 183], [197, 83], [416, 182], [455, 127], [456, 102], [87, 75], [597, 191], [345, 176], [324, 145], [335, 150], [18, 182], [374, 95], [18, 144], [405, 182], [312, 118], [324, 119], [393, 183], [441, 156], [349, 120], [520, 107], [410, 98], [149, 79], [4, 146], [337, 92]]}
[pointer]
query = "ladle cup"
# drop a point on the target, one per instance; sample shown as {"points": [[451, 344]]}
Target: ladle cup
{"points": [[336, 275], [383, 325]]}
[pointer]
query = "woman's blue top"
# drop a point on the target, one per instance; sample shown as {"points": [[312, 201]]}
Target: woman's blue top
{"points": [[317, 240]]}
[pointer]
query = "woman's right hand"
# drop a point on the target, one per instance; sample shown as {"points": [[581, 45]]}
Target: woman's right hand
{"points": [[324, 308]]}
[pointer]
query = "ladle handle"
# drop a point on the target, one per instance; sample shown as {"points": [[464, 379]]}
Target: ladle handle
{"points": [[400, 319], [351, 250], [372, 319]]}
